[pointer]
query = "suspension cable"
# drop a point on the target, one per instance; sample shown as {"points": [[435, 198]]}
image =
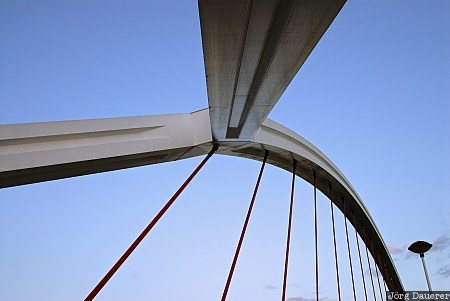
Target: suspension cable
{"points": [[316, 235], [378, 280], [390, 281], [385, 285], [376, 269], [359, 254], [294, 165], [368, 263], [244, 229], [386, 273], [335, 245], [349, 253], [138, 240]]}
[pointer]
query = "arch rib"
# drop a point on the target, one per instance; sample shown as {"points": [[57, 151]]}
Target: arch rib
{"points": [[37, 152]]}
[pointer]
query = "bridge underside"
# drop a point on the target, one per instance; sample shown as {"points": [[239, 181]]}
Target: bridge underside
{"points": [[252, 51], [37, 152]]}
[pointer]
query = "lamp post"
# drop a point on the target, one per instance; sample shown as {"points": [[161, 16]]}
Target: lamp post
{"points": [[421, 247]]}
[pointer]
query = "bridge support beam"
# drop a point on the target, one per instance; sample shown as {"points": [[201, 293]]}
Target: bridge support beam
{"points": [[37, 152]]}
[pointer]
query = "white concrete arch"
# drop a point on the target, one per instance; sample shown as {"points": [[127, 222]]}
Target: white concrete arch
{"points": [[252, 51], [37, 152]]}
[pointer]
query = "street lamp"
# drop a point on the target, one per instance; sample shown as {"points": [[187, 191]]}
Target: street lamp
{"points": [[421, 247]]}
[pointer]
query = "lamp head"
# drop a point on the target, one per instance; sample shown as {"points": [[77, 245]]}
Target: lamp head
{"points": [[420, 247]]}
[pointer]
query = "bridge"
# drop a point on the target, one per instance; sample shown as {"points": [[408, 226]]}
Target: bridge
{"points": [[252, 51]]}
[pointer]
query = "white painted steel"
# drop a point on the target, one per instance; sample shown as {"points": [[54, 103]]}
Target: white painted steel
{"points": [[37, 152], [252, 51]]}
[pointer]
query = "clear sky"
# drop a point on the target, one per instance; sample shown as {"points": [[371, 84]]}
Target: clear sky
{"points": [[374, 96]]}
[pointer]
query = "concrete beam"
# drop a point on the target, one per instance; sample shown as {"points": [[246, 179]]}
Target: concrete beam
{"points": [[252, 51], [37, 152]]}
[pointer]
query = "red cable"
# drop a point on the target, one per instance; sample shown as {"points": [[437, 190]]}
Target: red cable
{"points": [[386, 273], [283, 298], [376, 269], [378, 280], [138, 240], [390, 281], [349, 253], [335, 246], [315, 235], [244, 229], [360, 260], [370, 268]]}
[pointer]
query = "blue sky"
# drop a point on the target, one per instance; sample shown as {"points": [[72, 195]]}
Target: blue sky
{"points": [[374, 96]]}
